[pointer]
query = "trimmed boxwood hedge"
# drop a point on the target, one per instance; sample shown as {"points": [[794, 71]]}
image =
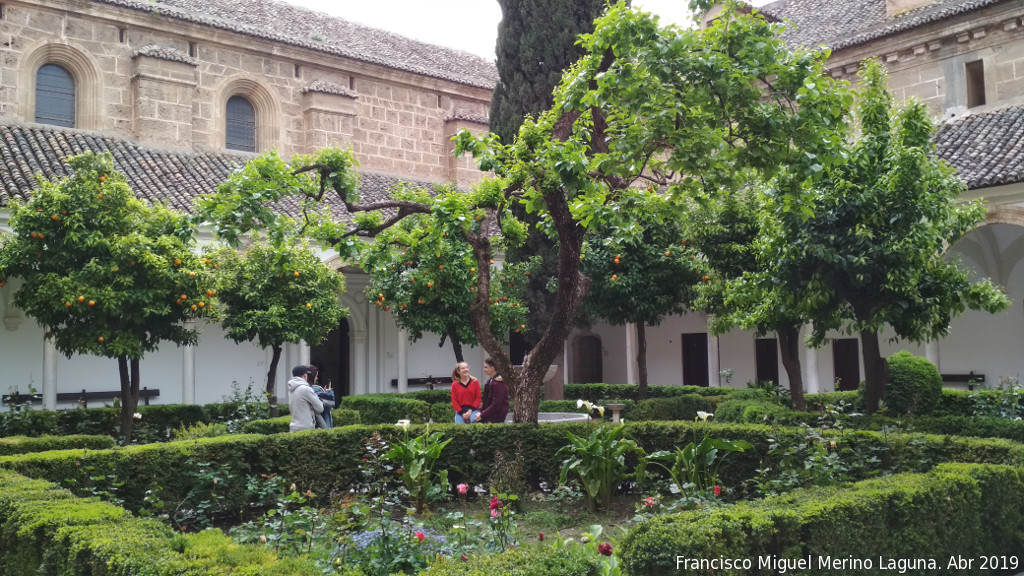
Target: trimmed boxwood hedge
{"points": [[46, 530], [280, 424], [914, 386], [683, 407], [533, 561], [957, 509], [24, 444], [387, 408]]}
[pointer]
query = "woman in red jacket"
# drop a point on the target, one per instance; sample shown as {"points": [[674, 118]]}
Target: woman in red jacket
{"points": [[465, 395]]}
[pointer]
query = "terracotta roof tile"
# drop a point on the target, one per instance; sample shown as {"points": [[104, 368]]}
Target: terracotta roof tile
{"points": [[175, 178], [328, 87], [986, 149], [843, 23], [165, 53], [285, 23]]}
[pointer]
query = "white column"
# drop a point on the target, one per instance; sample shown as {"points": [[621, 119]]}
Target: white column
{"points": [[565, 363], [359, 375], [631, 367], [811, 383], [403, 361], [714, 362], [931, 352], [188, 370], [49, 375]]}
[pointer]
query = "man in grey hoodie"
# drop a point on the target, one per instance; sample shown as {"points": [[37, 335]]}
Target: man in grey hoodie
{"points": [[302, 401]]}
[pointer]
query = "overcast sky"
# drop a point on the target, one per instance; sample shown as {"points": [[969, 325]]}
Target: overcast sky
{"points": [[469, 25]]}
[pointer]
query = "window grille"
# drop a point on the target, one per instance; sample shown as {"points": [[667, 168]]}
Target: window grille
{"points": [[241, 125], [55, 96]]}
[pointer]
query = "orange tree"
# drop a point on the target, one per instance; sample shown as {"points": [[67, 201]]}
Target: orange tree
{"points": [[426, 278], [641, 270], [277, 293], [688, 110], [104, 273]]}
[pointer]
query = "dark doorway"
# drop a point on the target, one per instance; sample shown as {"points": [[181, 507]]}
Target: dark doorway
{"points": [[589, 365], [516, 348], [332, 356], [695, 359], [846, 360], [766, 358]]}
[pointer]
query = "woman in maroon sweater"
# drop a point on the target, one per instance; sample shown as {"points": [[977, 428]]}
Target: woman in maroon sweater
{"points": [[495, 408], [465, 395]]}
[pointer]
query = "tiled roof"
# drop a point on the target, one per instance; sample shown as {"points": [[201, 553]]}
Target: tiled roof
{"points": [[467, 115], [165, 53], [844, 23], [328, 87], [987, 149], [172, 177], [281, 22]]}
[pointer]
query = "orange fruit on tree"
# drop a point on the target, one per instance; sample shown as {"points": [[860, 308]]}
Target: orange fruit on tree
{"points": [[100, 339], [68, 304], [184, 296], [54, 217], [194, 307], [92, 302], [81, 298], [202, 304], [296, 274], [99, 196], [191, 274], [177, 262], [308, 305], [103, 178]]}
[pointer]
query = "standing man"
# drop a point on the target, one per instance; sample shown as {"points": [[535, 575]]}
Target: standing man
{"points": [[495, 407], [302, 400]]}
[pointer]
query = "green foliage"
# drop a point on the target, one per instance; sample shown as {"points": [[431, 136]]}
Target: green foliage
{"points": [[694, 467], [606, 393], [24, 445], [278, 293], [683, 407], [599, 461], [750, 411], [893, 517], [417, 458], [536, 561], [914, 386], [424, 273], [1005, 401], [341, 416], [384, 409], [200, 430], [104, 273]]}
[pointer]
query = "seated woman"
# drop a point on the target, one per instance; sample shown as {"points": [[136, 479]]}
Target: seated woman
{"points": [[495, 408], [465, 395]]}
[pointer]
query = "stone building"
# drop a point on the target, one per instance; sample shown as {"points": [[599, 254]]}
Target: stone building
{"points": [[182, 92]]}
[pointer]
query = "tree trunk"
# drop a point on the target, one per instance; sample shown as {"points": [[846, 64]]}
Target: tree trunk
{"points": [[876, 371], [128, 371], [272, 380], [789, 346], [525, 384], [641, 359], [456, 344]]}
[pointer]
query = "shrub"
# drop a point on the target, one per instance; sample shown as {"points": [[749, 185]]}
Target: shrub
{"points": [[677, 408], [199, 430], [914, 387], [387, 409], [535, 561], [25, 445], [279, 425], [751, 411]]}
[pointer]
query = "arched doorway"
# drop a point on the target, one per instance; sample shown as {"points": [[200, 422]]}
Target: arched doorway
{"points": [[332, 356]]}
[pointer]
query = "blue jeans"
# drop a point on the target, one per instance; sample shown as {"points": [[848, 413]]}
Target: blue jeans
{"points": [[474, 417]]}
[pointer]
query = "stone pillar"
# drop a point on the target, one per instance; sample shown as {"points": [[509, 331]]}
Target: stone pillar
{"points": [[188, 374], [714, 362], [631, 367], [931, 352], [403, 361], [328, 115], [162, 89], [811, 382], [359, 373], [49, 375]]}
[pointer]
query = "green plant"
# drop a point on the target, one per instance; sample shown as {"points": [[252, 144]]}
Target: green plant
{"points": [[915, 385], [599, 460], [1005, 401], [417, 458], [502, 522], [199, 430], [695, 466]]}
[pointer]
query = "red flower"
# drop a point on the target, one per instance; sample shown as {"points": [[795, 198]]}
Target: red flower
{"points": [[420, 536], [718, 490], [650, 501], [465, 558], [495, 503], [540, 536], [605, 549]]}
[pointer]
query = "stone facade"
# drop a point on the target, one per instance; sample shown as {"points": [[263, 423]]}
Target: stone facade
{"points": [[164, 82]]}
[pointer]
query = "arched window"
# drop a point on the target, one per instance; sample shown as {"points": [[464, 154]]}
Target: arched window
{"points": [[240, 128], [55, 96]]}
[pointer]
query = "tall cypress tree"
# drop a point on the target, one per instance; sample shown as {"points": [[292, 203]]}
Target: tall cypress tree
{"points": [[536, 42]]}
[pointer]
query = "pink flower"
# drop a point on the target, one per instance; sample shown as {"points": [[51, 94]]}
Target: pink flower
{"points": [[495, 513], [495, 503], [420, 536], [605, 549], [540, 536], [718, 490], [309, 493], [463, 488], [465, 558], [650, 501]]}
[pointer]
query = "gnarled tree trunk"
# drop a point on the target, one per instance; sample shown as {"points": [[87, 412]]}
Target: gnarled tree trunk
{"points": [[789, 346]]}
